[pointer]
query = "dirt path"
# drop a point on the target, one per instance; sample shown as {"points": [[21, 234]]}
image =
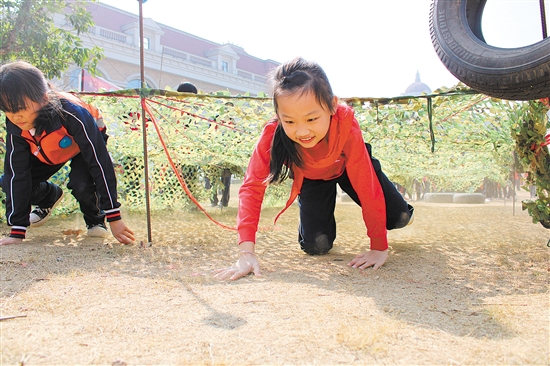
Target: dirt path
{"points": [[465, 284]]}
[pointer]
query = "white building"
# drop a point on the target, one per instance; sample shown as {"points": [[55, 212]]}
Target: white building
{"points": [[171, 56]]}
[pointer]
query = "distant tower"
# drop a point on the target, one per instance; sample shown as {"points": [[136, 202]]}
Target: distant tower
{"points": [[417, 87]]}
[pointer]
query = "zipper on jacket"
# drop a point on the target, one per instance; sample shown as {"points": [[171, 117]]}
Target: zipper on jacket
{"points": [[41, 151]]}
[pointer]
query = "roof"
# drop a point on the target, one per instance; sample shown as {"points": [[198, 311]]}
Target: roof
{"points": [[109, 17], [418, 87]]}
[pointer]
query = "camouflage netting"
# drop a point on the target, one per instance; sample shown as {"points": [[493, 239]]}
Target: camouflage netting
{"points": [[201, 136], [454, 138]]}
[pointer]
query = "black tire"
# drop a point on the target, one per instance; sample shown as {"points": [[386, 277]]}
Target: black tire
{"points": [[507, 73], [438, 197], [469, 198]]}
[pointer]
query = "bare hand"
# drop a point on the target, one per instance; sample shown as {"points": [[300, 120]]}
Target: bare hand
{"points": [[9, 240], [374, 258], [246, 264], [121, 232]]}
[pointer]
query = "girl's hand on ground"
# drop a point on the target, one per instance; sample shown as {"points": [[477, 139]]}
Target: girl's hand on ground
{"points": [[374, 258], [246, 264], [121, 232], [9, 240]]}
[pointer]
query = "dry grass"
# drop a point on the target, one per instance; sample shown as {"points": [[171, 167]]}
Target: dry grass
{"points": [[463, 285]]}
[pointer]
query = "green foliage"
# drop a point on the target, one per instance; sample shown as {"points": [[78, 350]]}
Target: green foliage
{"points": [[205, 133], [28, 32], [529, 130], [202, 134], [472, 140], [211, 132]]}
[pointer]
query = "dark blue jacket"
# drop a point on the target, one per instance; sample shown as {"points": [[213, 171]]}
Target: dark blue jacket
{"points": [[81, 127]]}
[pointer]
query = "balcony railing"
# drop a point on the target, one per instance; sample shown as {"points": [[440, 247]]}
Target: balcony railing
{"points": [[123, 38], [115, 36], [201, 61], [175, 53]]}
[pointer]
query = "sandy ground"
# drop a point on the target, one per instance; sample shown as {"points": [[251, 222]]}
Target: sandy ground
{"points": [[464, 285]]}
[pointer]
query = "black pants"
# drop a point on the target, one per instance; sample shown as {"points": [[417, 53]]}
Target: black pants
{"points": [[317, 201], [81, 184], [226, 181]]}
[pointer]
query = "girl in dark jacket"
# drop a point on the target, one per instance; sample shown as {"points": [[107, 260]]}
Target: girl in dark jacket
{"points": [[44, 131]]}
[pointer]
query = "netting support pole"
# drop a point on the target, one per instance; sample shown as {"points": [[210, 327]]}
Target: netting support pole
{"points": [[430, 118], [144, 124], [514, 184], [543, 19]]}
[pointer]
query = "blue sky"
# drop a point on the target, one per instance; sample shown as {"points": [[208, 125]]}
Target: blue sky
{"points": [[368, 48]]}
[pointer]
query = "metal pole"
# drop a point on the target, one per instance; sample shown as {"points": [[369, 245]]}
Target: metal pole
{"points": [[514, 189], [144, 123], [543, 19]]}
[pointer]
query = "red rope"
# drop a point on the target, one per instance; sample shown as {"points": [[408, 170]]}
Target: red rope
{"points": [[209, 120], [178, 175], [537, 148]]}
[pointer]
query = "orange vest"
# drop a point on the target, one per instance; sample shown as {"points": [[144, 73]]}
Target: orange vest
{"points": [[52, 148], [58, 147]]}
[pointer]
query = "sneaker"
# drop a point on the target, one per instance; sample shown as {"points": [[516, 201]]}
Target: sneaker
{"points": [[40, 215], [98, 231]]}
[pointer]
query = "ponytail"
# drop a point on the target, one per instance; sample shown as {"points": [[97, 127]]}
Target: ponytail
{"points": [[284, 156]]}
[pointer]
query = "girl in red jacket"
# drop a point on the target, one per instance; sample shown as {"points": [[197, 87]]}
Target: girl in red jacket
{"points": [[319, 144], [45, 130]]}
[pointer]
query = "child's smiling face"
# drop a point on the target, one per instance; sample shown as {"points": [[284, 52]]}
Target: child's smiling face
{"points": [[303, 119]]}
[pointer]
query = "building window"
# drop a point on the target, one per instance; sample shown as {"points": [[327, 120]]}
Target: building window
{"points": [[225, 66], [75, 82], [134, 84], [146, 43]]}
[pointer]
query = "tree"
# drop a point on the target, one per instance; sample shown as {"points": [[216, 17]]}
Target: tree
{"points": [[28, 32], [530, 129]]}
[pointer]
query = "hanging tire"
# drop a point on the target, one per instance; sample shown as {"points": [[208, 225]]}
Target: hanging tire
{"points": [[509, 73]]}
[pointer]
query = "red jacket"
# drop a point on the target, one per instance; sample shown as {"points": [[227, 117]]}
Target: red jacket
{"points": [[345, 149]]}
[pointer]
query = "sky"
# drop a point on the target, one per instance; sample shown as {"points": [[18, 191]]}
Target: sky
{"points": [[368, 48]]}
